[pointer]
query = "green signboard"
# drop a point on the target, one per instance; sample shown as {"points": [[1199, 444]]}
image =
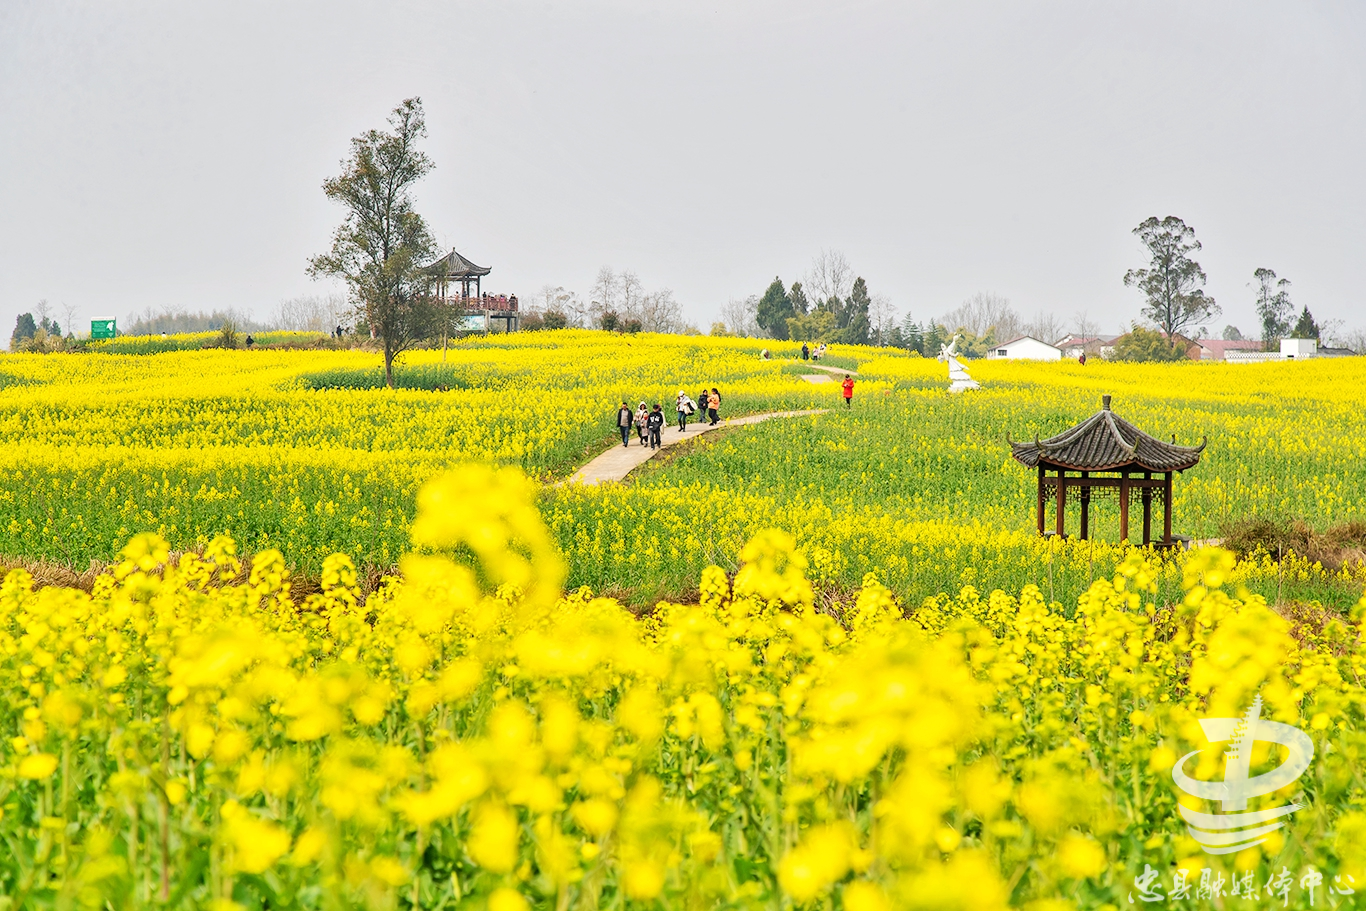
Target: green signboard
{"points": [[102, 328]]}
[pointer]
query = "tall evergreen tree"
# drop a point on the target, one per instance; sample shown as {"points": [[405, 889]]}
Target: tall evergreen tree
{"points": [[775, 309], [24, 328], [1305, 327], [797, 295], [856, 323], [912, 336], [935, 337]]}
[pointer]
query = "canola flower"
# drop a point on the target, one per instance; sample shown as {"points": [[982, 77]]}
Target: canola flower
{"points": [[296, 451], [919, 487], [261, 446], [191, 735]]}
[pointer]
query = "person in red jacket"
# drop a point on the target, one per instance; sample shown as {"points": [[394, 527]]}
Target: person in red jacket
{"points": [[848, 385]]}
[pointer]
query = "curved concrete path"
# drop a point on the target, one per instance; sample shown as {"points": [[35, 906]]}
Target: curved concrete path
{"points": [[619, 461], [840, 370]]}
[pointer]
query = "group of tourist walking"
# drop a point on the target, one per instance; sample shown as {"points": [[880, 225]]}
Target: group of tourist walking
{"points": [[649, 422]]}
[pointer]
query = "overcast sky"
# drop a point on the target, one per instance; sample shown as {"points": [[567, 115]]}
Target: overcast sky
{"points": [[171, 154]]}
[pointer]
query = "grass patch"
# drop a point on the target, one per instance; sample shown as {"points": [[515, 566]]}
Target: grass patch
{"points": [[1335, 547], [9, 379], [431, 377], [194, 341]]}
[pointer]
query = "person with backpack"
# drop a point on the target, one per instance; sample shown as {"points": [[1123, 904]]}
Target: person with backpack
{"points": [[848, 386], [642, 415], [624, 420], [806, 351], [685, 408], [713, 405], [655, 424]]}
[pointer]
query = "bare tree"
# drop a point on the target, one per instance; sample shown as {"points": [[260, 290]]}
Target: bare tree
{"points": [[741, 316], [177, 319], [631, 290], [69, 314], [1330, 330], [1354, 339], [982, 313], [555, 299], [659, 312], [1083, 326], [830, 276], [1046, 327], [884, 315], [606, 294], [316, 313]]}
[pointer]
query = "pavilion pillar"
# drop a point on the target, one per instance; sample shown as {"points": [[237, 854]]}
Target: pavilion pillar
{"points": [[1123, 506], [1085, 507], [1061, 523], [1147, 510], [1167, 509], [1041, 500]]}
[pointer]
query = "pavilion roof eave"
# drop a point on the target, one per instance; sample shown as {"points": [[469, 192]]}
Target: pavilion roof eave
{"points": [[455, 266], [1106, 442], [1132, 464]]}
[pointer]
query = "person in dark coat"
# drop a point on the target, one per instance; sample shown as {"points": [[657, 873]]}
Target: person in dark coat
{"points": [[655, 424]]}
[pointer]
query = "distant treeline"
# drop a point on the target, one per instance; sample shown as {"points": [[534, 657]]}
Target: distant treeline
{"points": [[297, 314], [180, 322]]}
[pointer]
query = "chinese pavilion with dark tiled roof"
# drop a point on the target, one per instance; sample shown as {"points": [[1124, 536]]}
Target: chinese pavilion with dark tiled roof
{"points": [[1104, 453], [454, 268], [455, 271]]}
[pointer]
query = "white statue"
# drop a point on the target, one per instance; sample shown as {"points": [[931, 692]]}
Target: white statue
{"points": [[958, 374]]}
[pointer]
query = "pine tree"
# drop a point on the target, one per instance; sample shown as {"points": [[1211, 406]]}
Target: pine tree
{"points": [[856, 323], [24, 328], [912, 336], [935, 337], [775, 309], [1306, 327]]}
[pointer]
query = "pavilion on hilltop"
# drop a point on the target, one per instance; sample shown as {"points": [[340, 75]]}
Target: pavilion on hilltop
{"points": [[1105, 455]]}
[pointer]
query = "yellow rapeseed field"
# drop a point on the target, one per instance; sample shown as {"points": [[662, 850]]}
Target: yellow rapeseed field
{"points": [[880, 691]]}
